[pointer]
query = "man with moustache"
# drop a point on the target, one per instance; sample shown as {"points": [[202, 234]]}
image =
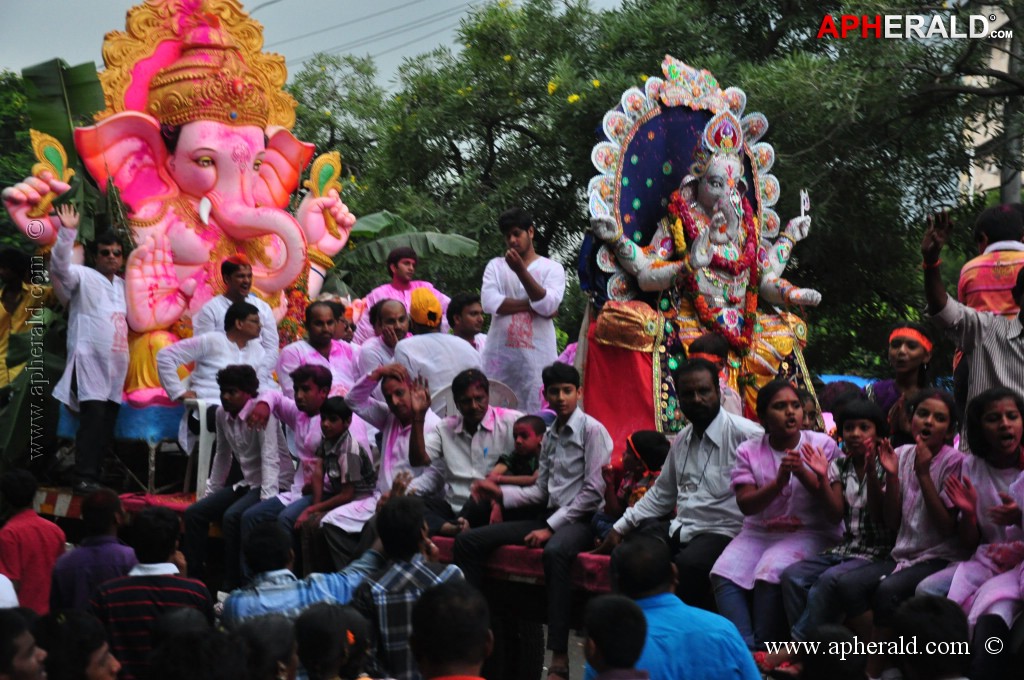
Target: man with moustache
{"points": [[695, 481]]}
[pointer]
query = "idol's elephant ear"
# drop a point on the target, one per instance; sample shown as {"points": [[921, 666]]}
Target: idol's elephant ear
{"points": [[128, 148], [283, 163]]}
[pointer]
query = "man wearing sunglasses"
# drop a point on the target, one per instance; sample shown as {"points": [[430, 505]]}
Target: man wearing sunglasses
{"points": [[97, 343]]}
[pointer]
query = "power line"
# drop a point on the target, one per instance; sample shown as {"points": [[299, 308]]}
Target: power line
{"points": [[392, 32], [345, 23], [414, 40]]}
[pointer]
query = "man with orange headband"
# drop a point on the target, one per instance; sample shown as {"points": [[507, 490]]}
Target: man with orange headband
{"points": [[237, 274], [993, 344]]}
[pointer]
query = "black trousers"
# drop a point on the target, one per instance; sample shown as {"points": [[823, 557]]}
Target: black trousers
{"points": [[474, 546], [95, 435], [694, 560]]}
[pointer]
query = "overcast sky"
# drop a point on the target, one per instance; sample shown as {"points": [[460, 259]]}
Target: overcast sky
{"points": [[388, 30]]}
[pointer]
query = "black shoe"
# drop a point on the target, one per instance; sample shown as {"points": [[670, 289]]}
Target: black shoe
{"points": [[84, 487]]}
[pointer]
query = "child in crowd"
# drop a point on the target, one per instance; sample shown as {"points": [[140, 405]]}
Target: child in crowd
{"points": [[984, 498], [786, 487], [616, 631], [812, 420], [312, 384], [342, 472], [573, 452], [925, 521], [333, 642], [645, 453], [808, 587], [266, 466], [910, 350]]}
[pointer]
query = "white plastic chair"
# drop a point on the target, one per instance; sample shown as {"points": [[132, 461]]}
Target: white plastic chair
{"points": [[442, 402], [207, 438]]}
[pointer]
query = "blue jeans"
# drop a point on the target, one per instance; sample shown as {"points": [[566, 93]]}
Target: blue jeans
{"points": [[757, 615], [227, 505], [809, 591]]}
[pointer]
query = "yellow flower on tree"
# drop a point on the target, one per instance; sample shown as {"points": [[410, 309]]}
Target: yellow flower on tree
{"points": [[507, 57], [552, 87], [595, 82], [573, 98]]}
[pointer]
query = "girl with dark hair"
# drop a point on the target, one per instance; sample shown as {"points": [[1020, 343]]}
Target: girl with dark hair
{"points": [[785, 485], [910, 351], [272, 650], [334, 642], [989, 494], [924, 521], [645, 453]]}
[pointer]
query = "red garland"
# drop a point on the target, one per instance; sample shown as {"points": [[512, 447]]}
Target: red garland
{"points": [[740, 342]]}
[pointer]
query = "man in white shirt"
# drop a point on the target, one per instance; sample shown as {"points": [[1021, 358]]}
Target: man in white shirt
{"points": [[429, 354], [237, 274], [319, 348], [523, 291], [695, 482], [97, 363]]}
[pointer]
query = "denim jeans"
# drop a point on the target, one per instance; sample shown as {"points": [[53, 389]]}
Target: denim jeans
{"points": [[756, 614], [226, 505], [809, 591]]}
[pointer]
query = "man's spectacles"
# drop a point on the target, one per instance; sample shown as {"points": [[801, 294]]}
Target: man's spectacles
{"points": [[108, 252]]}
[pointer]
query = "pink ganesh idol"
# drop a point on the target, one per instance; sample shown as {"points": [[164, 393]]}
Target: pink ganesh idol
{"points": [[195, 137]]}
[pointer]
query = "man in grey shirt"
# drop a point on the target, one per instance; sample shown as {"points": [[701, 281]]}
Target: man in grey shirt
{"points": [[694, 481]]}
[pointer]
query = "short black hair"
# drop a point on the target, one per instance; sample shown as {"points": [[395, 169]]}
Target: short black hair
{"points": [[514, 218], [400, 525], [70, 638], [154, 534], [768, 392], [268, 548], [641, 566], [821, 664], [230, 265], [650, 446], [946, 398], [397, 255], [1000, 223], [337, 309], [316, 305], [535, 423], [466, 379], [860, 407], [933, 622], [12, 626], [695, 366], [618, 629], [209, 655], [238, 311], [99, 511], [378, 308], [239, 376], [336, 406], [976, 409], [459, 302], [710, 343], [270, 641], [560, 373], [463, 637], [334, 641], [105, 238], [320, 375], [19, 262], [18, 488], [836, 393]]}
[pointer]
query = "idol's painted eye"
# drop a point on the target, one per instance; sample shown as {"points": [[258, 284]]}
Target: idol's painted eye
{"points": [[204, 162], [257, 164]]}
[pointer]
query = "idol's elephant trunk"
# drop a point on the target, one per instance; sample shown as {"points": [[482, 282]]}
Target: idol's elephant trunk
{"points": [[285, 256]]}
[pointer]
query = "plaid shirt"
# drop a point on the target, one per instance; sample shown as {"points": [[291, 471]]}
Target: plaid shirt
{"points": [[863, 537], [387, 601]]}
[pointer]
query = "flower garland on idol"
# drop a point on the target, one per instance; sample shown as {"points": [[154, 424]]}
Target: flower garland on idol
{"points": [[708, 315]]}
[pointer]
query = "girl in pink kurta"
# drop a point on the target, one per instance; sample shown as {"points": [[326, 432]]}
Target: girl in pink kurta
{"points": [[784, 486]]}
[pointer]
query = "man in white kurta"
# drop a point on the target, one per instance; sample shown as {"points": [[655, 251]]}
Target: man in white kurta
{"points": [[237, 274], [429, 354], [522, 292], [97, 363]]}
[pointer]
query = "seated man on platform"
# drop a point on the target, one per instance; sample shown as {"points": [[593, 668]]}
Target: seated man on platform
{"points": [[276, 590], [461, 450], [320, 348], [694, 481], [390, 324], [401, 264], [429, 354], [237, 274], [100, 556]]}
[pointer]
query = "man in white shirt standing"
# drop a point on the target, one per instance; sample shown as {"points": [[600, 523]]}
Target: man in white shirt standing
{"points": [[319, 348], [97, 364], [237, 274], [522, 292], [429, 354]]}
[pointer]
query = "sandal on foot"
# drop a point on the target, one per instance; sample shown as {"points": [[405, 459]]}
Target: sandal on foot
{"points": [[559, 671]]}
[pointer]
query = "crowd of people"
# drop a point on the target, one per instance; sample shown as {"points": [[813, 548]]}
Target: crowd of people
{"points": [[333, 475]]}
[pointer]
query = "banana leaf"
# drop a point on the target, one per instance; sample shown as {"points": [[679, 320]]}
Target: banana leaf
{"points": [[61, 97], [338, 282], [379, 224], [424, 243]]}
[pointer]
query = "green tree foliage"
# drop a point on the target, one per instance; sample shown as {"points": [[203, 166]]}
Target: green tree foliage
{"points": [[510, 118], [15, 148]]}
